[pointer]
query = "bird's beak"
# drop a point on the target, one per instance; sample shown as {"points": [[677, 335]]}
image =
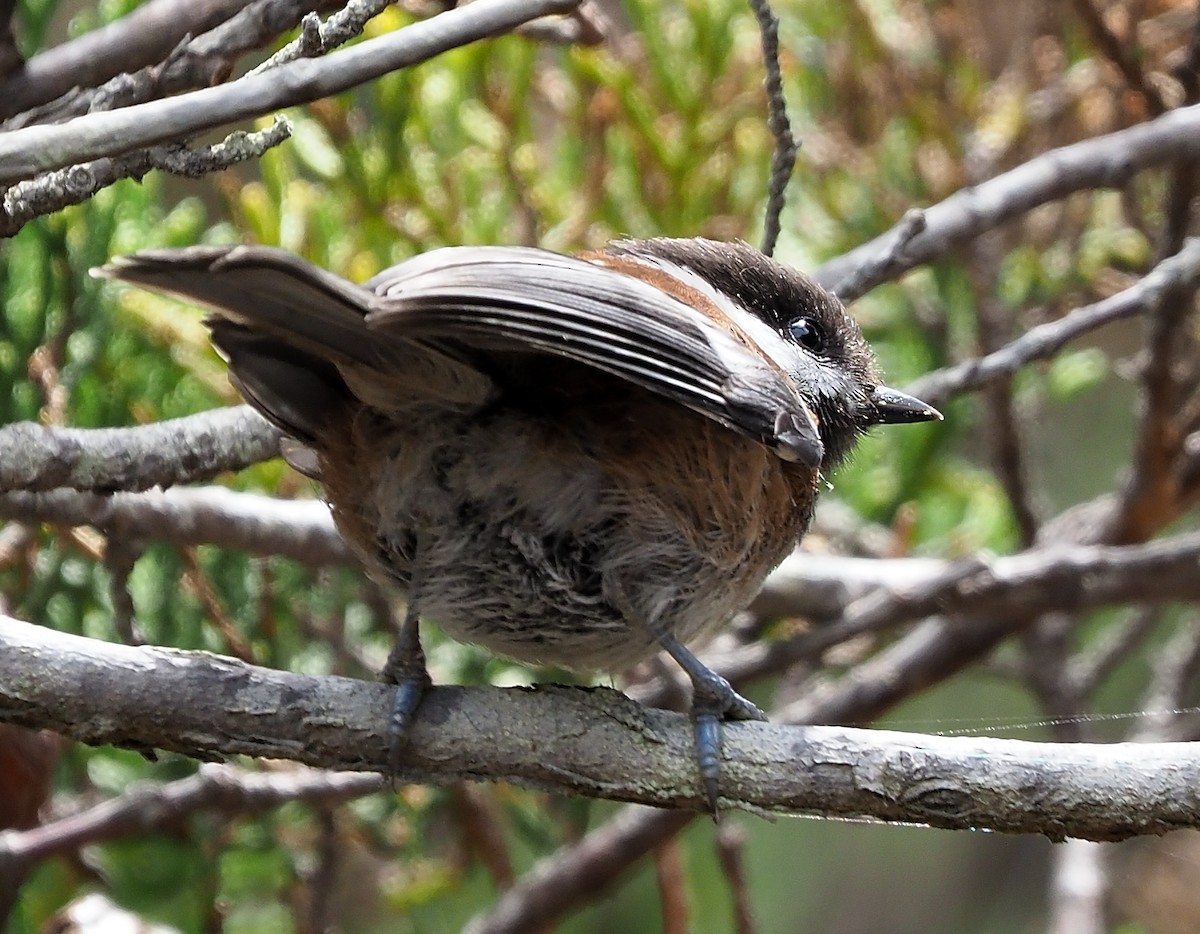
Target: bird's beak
{"points": [[893, 407]]}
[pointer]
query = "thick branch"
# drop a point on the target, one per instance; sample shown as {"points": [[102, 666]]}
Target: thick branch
{"points": [[588, 742], [37, 457]]}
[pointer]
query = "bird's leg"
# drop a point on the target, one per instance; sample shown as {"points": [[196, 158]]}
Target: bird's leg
{"points": [[713, 698], [713, 701], [405, 668]]}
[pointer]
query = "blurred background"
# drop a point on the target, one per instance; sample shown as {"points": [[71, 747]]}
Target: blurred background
{"points": [[658, 128]]}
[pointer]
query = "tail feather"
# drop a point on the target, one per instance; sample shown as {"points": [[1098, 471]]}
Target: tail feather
{"points": [[282, 323], [297, 341], [270, 290], [297, 391]]}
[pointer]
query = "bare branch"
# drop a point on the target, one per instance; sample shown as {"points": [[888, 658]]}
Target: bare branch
{"points": [[887, 263], [885, 593], [731, 842], [592, 742], [572, 876], [147, 808], [1181, 192], [1101, 162], [1080, 889], [1179, 272], [143, 37], [25, 152], [1110, 46], [205, 60], [35, 457], [10, 55], [52, 191], [298, 529], [317, 38]]}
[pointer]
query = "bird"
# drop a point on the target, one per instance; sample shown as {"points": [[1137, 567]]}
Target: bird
{"points": [[571, 460]]}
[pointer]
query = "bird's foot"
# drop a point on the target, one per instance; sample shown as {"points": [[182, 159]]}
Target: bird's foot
{"points": [[714, 701], [406, 669]]}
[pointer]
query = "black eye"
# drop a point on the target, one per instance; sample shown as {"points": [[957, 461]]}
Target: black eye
{"points": [[808, 334]]}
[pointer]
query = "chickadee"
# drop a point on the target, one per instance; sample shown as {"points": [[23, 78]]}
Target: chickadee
{"points": [[571, 460]]}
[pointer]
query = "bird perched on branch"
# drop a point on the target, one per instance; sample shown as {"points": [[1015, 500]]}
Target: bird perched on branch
{"points": [[571, 460]]}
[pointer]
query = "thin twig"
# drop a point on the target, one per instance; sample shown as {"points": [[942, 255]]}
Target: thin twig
{"points": [[672, 888], [1101, 162], [1181, 192], [1111, 47], [731, 842], [1181, 271], [783, 159], [317, 38], [141, 38]]}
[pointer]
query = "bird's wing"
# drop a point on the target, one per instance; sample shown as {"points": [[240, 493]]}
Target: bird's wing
{"points": [[295, 335], [299, 338], [523, 299]]}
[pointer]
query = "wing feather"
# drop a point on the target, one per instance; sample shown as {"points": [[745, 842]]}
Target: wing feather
{"points": [[515, 298], [421, 323]]}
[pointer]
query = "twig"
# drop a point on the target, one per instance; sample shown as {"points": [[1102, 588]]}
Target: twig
{"points": [[141, 38], [483, 832], [323, 878], [1112, 49], [889, 260], [318, 38], [672, 890], [1111, 647], [193, 576], [1000, 416], [1151, 491], [731, 841], [1181, 191], [570, 877], [120, 554], [1079, 890], [1174, 673], [10, 56], [25, 152], [1101, 162], [1181, 271], [783, 159]]}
